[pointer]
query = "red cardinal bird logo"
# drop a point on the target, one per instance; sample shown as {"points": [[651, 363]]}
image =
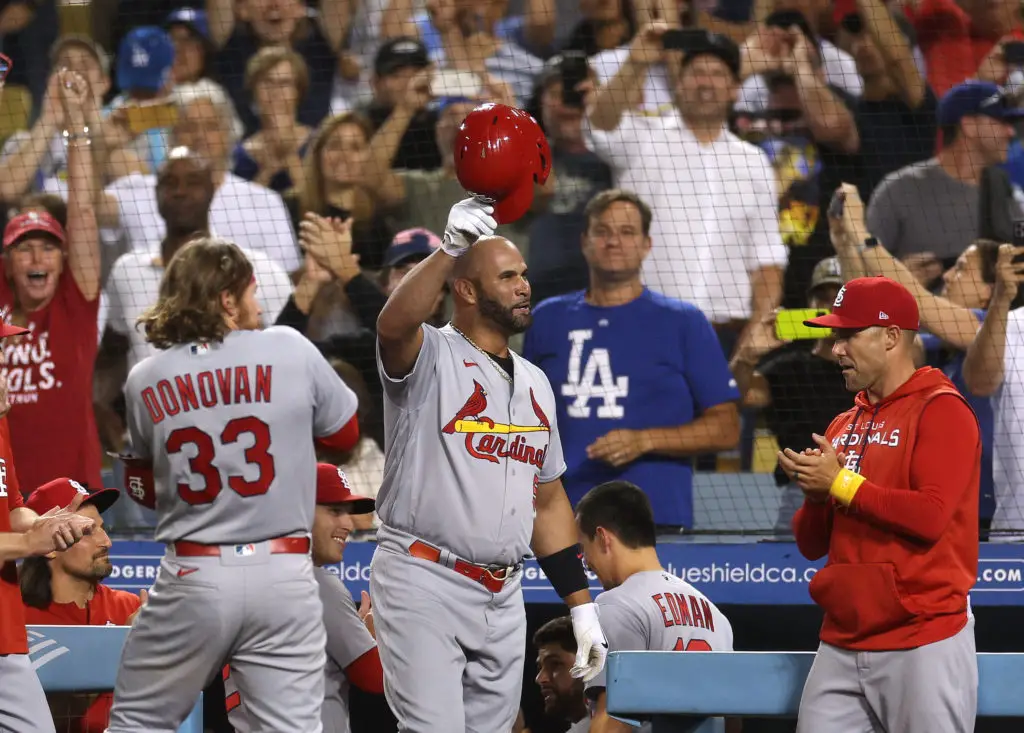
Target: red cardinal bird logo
{"points": [[474, 406], [497, 440]]}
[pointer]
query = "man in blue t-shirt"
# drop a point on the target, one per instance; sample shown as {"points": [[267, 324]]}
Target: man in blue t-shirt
{"points": [[641, 383]]}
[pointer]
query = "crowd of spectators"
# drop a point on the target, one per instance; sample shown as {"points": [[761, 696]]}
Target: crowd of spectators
{"points": [[319, 137], [692, 174]]}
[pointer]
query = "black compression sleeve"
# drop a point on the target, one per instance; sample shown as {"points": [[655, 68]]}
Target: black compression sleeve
{"points": [[565, 571]]}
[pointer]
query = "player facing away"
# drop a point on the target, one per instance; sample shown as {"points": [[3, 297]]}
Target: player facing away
{"points": [[226, 416], [643, 608], [471, 487], [352, 657]]}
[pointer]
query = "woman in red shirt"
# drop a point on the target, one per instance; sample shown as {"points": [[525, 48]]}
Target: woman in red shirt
{"points": [[891, 497], [50, 284]]}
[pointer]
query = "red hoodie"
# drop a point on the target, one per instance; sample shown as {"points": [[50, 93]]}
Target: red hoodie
{"points": [[903, 556]]}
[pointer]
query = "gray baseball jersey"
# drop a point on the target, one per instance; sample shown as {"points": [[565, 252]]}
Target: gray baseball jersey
{"points": [[227, 428], [465, 450], [656, 611], [347, 640]]}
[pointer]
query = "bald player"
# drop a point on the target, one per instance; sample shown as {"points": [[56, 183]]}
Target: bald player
{"points": [[643, 608], [226, 416], [471, 487], [352, 657]]}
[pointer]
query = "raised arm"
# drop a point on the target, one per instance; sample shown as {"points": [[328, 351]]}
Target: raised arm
{"points": [[895, 50], [399, 331], [83, 229], [984, 365], [954, 324], [625, 90], [220, 15]]}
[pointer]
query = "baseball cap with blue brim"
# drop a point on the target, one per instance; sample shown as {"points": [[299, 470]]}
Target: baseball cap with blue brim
{"points": [[438, 105], [977, 98], [193, 19], [144, 60], [409, 244]]}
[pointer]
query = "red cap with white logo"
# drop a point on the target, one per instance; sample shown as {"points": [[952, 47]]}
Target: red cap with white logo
{"points": [[61, 491], [871, 301], [333, 487]]}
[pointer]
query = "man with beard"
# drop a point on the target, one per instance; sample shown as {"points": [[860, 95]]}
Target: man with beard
{"points": [[562, 693], [471, 487], [632, 407], [66, 590]]}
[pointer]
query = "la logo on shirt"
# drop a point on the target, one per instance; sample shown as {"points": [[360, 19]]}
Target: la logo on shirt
{"points": [[595, 379]]}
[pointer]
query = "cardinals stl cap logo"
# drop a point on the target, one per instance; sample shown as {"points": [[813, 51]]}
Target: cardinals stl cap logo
{"points": [[344, 479], [78, 487], [839, 297]]}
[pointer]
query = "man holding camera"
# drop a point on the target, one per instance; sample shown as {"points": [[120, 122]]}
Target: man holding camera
{"points": [[721, 250]]}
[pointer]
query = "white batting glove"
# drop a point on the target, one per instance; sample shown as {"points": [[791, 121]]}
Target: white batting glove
{"points": [[591, 646], [468, 220]]}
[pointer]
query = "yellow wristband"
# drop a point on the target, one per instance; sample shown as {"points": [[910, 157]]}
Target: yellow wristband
{"points": [[844, 488]]}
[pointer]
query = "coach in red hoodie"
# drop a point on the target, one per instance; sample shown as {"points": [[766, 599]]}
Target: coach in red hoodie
{"points": [[891, 496]]}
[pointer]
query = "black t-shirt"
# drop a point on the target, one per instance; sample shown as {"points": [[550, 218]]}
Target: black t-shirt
{"points": [[836, 167], [418, 148], [807, 393], [229, 69], [892, 136]]}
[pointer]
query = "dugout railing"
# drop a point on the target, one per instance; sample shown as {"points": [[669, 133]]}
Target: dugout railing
{"points": [[84, 659]]}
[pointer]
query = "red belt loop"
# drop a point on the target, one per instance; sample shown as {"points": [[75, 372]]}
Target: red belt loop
{"points": [[491, 579], [278, 546]]}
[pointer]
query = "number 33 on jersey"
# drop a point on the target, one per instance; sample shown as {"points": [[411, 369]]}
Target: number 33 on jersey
{"points": [[224, 424]]}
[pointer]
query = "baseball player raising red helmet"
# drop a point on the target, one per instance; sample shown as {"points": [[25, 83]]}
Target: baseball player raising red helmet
{"points": [[471, 484], [227, 416], [500, 155]]}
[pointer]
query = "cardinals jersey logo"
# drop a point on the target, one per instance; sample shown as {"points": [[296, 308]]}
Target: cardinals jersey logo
{"points": [[487, 440]]}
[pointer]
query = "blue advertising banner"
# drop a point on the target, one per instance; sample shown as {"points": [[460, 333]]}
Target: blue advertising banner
{"points": [[761, 573]]}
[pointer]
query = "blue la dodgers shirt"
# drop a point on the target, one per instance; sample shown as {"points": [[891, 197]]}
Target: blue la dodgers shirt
{"points": [[654, 362]]}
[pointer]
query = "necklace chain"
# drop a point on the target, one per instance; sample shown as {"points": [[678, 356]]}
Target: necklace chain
{"points": [[494, 364]]}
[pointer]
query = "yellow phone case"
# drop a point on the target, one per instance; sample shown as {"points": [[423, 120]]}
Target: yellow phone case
{"points": [[145, 117], [789, 324]]}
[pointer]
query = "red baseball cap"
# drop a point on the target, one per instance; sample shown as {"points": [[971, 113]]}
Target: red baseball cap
{"points": [[61, 491], [871, 301], [333, 487], [32, 222]]}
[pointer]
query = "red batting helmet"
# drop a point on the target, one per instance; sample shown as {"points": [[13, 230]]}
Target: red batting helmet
{"points": [[500, 153]]}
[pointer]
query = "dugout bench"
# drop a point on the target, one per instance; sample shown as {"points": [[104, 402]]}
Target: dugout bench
{"points": [[85, 659], [677, 692]]}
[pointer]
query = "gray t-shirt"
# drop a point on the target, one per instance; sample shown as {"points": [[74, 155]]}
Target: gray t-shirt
{"points": [[229, 428], [921, 208]]}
